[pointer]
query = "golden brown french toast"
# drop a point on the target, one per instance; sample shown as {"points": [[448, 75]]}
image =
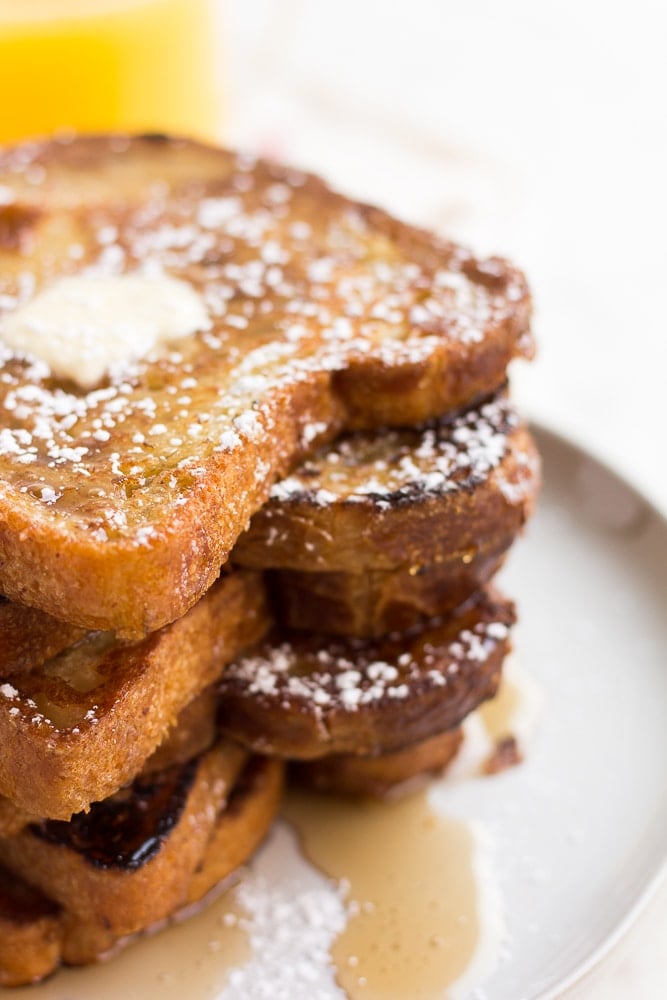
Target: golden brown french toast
{"points": [[194, 731], [384, 775], [30, 932], [119, 501], [377, 602], [133, 861], [302, 696], [385, 529], [29, 637], [81, 725], [401, 498]]}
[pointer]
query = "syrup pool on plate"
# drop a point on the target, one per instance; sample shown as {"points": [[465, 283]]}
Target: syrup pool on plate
{"points": [[96, 65], [415, 922]]}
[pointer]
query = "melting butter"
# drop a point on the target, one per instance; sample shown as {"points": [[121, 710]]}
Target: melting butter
{"points": [[415, 923], [81, 327]]}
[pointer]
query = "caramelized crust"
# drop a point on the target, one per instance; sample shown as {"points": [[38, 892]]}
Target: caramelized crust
{"points": [[384, 776], [84, 723], [192, 833], [303, 696], [325, 314], [127, 863]]}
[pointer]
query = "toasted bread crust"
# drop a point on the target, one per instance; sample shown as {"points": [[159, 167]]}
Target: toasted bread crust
{"points": [[354, 319], [228, 809], [303, 696], [74, 732], [383, 776]]}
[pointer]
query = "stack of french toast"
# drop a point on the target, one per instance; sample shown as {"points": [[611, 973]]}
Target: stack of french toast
{"points": [[258, 468]]}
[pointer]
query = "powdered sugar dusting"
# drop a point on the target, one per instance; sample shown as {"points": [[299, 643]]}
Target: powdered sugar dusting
{"points": [[294, 915], [331, 676], [440, 458], [290, 291]]}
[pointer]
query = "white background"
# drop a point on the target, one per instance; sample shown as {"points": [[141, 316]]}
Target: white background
{"points": [[537, 130]]}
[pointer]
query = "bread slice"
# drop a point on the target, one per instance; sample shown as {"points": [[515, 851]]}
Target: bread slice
{"points": [[29, 637], [239, 829], [118, 504], [81, 725], [377, 602], [385, 775], [133, 862], [401, 499], [194, 731], [30, 932], [122, 865], [303, 696]]}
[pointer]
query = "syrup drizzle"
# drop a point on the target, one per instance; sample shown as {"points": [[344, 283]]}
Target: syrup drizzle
{"points": [[190, 958], [516, 707], [414, 922], [420, 922]]}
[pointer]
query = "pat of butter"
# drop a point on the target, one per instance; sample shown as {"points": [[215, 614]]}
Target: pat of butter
{"points": [[82, 327]]}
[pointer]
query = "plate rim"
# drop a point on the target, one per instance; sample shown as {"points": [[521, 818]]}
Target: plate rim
{"points": [[654, 882]]}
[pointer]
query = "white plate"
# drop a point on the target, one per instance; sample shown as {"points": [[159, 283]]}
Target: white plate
{"points": [[579, 829]]}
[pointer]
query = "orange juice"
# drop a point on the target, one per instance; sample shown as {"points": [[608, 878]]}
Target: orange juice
{"points": [[94, 65]]}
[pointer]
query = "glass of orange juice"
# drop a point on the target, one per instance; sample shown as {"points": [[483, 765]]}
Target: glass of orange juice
{"points": [[100, 65]]}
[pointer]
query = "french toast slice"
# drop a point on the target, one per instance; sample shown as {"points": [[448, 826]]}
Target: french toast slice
{"points": [[122, 865], [401, 499], [30, 932], [135, 860], [384, 775], [120, 502], [29, 637], [303, 696], [238, 831], [83, 724], [194, 731], [383, 530], [377, 602]]}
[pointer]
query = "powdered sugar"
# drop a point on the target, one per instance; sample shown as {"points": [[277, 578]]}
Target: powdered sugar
{"points": [[291, 292], [294, 915], [329, 676], [440, 458]]}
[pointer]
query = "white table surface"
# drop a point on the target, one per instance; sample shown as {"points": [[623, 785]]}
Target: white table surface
{"points": [[537, 130]]}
